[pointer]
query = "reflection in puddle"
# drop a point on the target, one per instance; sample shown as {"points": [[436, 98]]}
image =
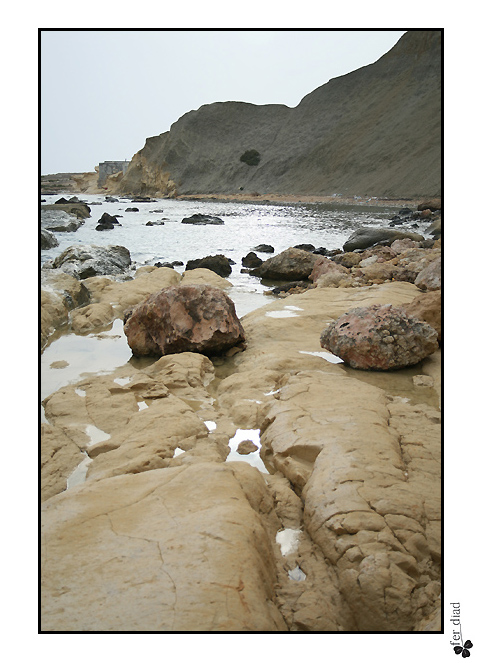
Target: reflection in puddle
{"points": [[78, 476], [288, 540], [93, 353], [96, 434], [288, 312], [296, 574], [253, 458], [122, 382], [281, 314], [328, 356]]}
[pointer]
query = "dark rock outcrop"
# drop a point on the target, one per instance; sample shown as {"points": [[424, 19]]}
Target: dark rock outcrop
{"points": [[379, 338], [203, 220], [219, 264], [264, 248], [375, 131], [251, 260], [366, 237], [107, 222], [47, 239], [55, 219], [190, 318]]}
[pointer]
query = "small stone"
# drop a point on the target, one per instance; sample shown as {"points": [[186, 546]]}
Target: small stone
{"points": [[246, 447], [423, 381], [59, 364]]}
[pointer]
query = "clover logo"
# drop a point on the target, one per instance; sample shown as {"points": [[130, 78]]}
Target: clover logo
{"points": [[464, 649]]}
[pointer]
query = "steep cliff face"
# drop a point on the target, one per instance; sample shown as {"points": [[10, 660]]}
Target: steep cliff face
{"points": [[375, 131]]}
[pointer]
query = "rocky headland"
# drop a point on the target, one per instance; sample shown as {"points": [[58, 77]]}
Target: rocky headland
{"points": [[373, 132]]}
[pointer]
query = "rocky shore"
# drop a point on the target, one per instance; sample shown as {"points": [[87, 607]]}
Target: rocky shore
{"points": [[327, 519]]}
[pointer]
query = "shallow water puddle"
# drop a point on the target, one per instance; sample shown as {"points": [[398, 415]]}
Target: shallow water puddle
{"points": [[287, 312], [96, 434], [297, 574], [95, 353], [288, 540], [328, 356], [78, 476], [253, 458], [122, 382]]}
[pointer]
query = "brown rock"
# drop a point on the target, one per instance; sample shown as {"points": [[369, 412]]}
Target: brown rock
{"points": [[291, 265], [184, 319], [348, 259], [430, 277], [433, 205], [324, 266], [246, 447], [379, 338], [427, 307]]}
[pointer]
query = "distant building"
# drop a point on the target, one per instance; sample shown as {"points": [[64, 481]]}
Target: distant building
{"points": [[110, 168]]}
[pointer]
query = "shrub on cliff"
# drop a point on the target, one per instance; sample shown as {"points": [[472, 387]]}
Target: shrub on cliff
{"points": [[251, 157]]}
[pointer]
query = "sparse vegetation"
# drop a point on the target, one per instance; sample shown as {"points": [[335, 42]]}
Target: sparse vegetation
{"points": [[251, 157]]}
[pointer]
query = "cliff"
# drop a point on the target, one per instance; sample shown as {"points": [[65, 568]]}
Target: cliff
{"points": [[373, 132]]}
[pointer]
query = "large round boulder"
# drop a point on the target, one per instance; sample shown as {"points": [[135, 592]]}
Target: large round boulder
{"points": [[366, 237], [290, 265], [379, 338], [189, 318]]}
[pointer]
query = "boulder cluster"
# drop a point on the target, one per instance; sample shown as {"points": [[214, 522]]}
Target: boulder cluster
{"points": [[326, 514]]}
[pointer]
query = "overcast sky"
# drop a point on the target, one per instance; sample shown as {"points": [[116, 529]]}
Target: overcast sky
{"points": [[104, 92]]}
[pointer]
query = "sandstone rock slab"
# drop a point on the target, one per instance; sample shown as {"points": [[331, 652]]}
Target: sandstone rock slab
{"points": [[177, 549]]}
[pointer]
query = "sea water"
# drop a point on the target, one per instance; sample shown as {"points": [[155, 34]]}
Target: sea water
{"points": [[246, 225]]}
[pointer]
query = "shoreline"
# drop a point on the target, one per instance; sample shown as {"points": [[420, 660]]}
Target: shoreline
{"points": [[294, 198]]}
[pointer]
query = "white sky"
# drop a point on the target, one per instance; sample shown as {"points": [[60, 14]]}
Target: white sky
{"points": [[104, 92]]}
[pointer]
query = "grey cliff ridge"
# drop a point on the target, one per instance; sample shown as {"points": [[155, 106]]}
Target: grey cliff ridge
{"points": [[375, 131]]}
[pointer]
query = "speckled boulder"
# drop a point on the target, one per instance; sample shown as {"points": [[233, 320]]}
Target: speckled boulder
{"points": [[185, 318], [379, 338]]}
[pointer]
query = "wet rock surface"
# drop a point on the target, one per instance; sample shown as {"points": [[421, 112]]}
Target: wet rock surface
{"points": [[197, 318], [85, 261], [165, 535], [379, 338], [366, 237], [219, 264], [203, 219]]}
